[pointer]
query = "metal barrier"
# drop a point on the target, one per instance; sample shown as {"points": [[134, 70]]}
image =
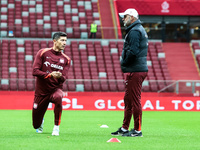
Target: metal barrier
{"points": [[184, 86], [159, 86]]}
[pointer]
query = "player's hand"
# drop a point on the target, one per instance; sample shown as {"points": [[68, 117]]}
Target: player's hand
{"points": [[56, 74]]}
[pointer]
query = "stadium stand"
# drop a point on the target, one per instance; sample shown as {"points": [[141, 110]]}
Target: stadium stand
{"points": [[35, 19], [95, 65]]}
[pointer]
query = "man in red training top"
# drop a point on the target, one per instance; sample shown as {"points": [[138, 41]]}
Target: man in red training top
{"points": [[50, 68]]}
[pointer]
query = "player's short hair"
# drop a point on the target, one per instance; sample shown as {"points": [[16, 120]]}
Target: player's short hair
{"points": [[57, 35]]}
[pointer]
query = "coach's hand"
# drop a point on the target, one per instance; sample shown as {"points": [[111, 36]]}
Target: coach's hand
{"points": [[56, 74]]}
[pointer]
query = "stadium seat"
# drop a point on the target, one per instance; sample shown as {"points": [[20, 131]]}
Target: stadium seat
{"points": [[24, 18], [94, 63], [87, 86], [96, 86], [71, 86], [21, 85], [13, 85], [112, 86], [30, 85], [104, 86]]}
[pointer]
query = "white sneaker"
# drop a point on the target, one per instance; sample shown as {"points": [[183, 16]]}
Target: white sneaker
{"points": [[40, 129], [55, 131]]}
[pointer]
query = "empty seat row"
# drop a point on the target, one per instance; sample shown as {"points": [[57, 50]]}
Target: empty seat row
{"points": [[95, 65], [36, 19]]}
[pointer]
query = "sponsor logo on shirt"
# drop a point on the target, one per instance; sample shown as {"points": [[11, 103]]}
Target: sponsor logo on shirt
{"points": [[47, 63], [53, 65]]}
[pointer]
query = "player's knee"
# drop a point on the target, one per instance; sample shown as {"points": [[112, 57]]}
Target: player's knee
{"points": [[58, 97], [36, 123]]}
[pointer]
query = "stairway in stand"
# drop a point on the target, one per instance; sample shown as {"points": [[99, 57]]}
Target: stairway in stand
{"points": [[180, 61], [106, 19]]}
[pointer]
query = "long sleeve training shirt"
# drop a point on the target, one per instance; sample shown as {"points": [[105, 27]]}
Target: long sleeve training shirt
{"points": [[46, 61]]}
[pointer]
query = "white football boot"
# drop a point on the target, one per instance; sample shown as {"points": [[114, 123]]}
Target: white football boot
{"points": [[55, 131]]}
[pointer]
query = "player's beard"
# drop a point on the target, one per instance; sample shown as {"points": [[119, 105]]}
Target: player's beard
{"points": [[127, 23]]}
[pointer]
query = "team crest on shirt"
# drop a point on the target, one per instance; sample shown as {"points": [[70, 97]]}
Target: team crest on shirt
{"points": [[35, 105], [62, 60]]}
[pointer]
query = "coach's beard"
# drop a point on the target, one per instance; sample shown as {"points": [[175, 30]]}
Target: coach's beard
{"points": [[127, 23]]}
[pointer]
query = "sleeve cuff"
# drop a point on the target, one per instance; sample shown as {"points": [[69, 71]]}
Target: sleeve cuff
{"points": [[48, 76]]}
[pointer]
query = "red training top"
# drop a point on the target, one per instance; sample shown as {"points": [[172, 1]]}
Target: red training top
{"points": [[46, 61]]}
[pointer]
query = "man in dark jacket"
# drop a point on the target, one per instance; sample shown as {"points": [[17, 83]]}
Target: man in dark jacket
{"points": [[134, 66]]}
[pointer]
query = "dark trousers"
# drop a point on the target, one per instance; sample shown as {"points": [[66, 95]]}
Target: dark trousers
{"points": [[132, 99], [93, 34], [40, 106]]}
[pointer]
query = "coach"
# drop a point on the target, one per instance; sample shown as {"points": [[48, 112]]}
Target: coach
{"points": [[134, 65]]}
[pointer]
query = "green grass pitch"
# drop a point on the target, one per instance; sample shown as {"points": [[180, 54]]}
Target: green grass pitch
{"points": [[80, 130]]}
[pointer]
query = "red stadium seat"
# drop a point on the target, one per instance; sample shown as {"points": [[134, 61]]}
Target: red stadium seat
{"points": [[13, 85], [96, 86], [112, 86], [71, 86], [104, 86], [30, 85], [87, 86], [21, 85], [82, 68]]}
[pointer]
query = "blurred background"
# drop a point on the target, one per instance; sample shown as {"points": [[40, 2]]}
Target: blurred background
{"points": [[173, 27]]}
